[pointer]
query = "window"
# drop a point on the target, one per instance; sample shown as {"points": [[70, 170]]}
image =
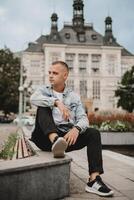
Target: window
{"points": [[81, 36], [111, 64], [111, 101], [124, 67], [83, 89], [96, 89], [54, 56], [94, 37], [70, 84], [83, 62], [36, 82], [55, 37], [70, 60], [35, 67], [67, 35], [96, 59], [79, 11]]}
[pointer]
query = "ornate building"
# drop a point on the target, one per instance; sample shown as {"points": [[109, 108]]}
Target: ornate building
{"points": [[96, 62]]}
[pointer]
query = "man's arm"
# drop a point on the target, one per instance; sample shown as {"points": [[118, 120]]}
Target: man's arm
{"points": [[81, 117], [80, 126], [41, 98]]}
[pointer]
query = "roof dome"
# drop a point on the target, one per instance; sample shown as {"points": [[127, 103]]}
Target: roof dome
{"points": [[54, 17], [108, 20]]}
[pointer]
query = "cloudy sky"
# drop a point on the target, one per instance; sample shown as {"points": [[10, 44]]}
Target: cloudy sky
{"points": [[23, 21]]}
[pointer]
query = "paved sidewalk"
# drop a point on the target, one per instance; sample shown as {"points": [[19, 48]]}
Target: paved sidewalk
{"points": [[119, 175]]}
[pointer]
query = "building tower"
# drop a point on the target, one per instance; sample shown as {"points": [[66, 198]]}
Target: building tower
{"points": [[108, 38], [78, 16], [54, 25], [54, 34]]}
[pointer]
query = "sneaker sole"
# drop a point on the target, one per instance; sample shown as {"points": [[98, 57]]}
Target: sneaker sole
{"points": [[59, 148], [92, 190]]}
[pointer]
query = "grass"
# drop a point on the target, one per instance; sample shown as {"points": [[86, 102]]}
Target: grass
{"points": [[8, 148]]}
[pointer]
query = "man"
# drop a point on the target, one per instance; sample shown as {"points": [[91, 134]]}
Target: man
{"points": [[62, 125]]}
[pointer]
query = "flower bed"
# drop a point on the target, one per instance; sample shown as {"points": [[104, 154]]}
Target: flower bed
{"points": [[114, 122]]}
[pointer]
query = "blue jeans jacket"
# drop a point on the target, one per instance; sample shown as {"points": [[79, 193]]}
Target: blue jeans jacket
{"points": [[44, 97]]}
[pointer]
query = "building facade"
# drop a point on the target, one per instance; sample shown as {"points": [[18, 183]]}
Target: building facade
{"points": [[96, 62]]}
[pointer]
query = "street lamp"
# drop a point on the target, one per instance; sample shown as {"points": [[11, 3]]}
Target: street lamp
{"points": [[21, 88], [25, 86], [20, 93]]}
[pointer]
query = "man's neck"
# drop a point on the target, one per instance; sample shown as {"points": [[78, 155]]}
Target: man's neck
{"points": [[59, 88]]}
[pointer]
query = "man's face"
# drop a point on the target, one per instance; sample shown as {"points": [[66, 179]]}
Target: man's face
{"points": [[57, 75]]}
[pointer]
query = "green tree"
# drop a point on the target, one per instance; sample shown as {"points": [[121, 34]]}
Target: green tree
{"points": [[125, 91], [9, 81]]}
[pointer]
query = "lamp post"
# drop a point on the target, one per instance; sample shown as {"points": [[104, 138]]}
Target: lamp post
{"points": [[21, 87], [25, 86], [21, 94]]}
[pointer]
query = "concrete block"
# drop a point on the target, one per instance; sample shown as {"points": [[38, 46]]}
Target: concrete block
{"points": [[39, 177], [117, 138]]}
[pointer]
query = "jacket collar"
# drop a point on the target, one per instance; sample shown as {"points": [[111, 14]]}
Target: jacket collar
{"points": [[65, 92]]}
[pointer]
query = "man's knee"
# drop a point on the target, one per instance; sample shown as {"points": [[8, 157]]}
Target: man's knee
{"points": [[94, 133]]}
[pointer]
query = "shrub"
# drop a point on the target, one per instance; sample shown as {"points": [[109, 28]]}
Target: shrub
{"points": [[8, 147], [108, 121]]}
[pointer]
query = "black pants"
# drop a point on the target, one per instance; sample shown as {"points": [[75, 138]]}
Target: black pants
{"points": [[45, 125]]}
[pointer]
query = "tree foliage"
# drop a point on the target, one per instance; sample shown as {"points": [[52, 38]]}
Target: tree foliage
{"points": [[9, 81], [125, 91]]}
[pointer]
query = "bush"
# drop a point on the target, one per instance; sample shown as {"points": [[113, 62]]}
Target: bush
{"points": [[108, 121], [8, 147]]}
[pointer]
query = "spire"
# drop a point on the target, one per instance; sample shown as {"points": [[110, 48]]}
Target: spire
{"points": [[54, 35], [108, 38], [78, 15], [108, 24], [54, 25]]}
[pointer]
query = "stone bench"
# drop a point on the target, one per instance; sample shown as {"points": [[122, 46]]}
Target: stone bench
{"points": [[39, 177]]}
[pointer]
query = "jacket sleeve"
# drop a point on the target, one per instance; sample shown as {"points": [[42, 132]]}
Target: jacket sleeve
{"points": [[81, 117], [41, 97]]}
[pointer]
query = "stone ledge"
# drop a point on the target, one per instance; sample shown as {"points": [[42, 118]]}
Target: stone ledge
{"points": [[117, 138], [42, 159], [37, 177]]}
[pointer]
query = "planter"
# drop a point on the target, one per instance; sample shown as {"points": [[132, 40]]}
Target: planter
{"points": [[117, 138]]}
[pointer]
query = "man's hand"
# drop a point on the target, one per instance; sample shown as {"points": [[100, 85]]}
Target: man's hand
{"points": [[72, 136], [64, 110]]}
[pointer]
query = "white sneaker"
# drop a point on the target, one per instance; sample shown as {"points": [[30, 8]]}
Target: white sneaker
{"points": [[98, 187], [59, 147]]}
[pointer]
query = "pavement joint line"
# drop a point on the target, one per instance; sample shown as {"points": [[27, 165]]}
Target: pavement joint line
{"points": [[78, 176], [79, 165], [117, 156], [130, 179]]}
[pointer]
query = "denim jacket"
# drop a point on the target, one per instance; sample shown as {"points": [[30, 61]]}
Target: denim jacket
{"points": [[45, 97]]}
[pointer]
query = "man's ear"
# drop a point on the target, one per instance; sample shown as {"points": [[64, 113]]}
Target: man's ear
{"points": [[66, 75]]}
